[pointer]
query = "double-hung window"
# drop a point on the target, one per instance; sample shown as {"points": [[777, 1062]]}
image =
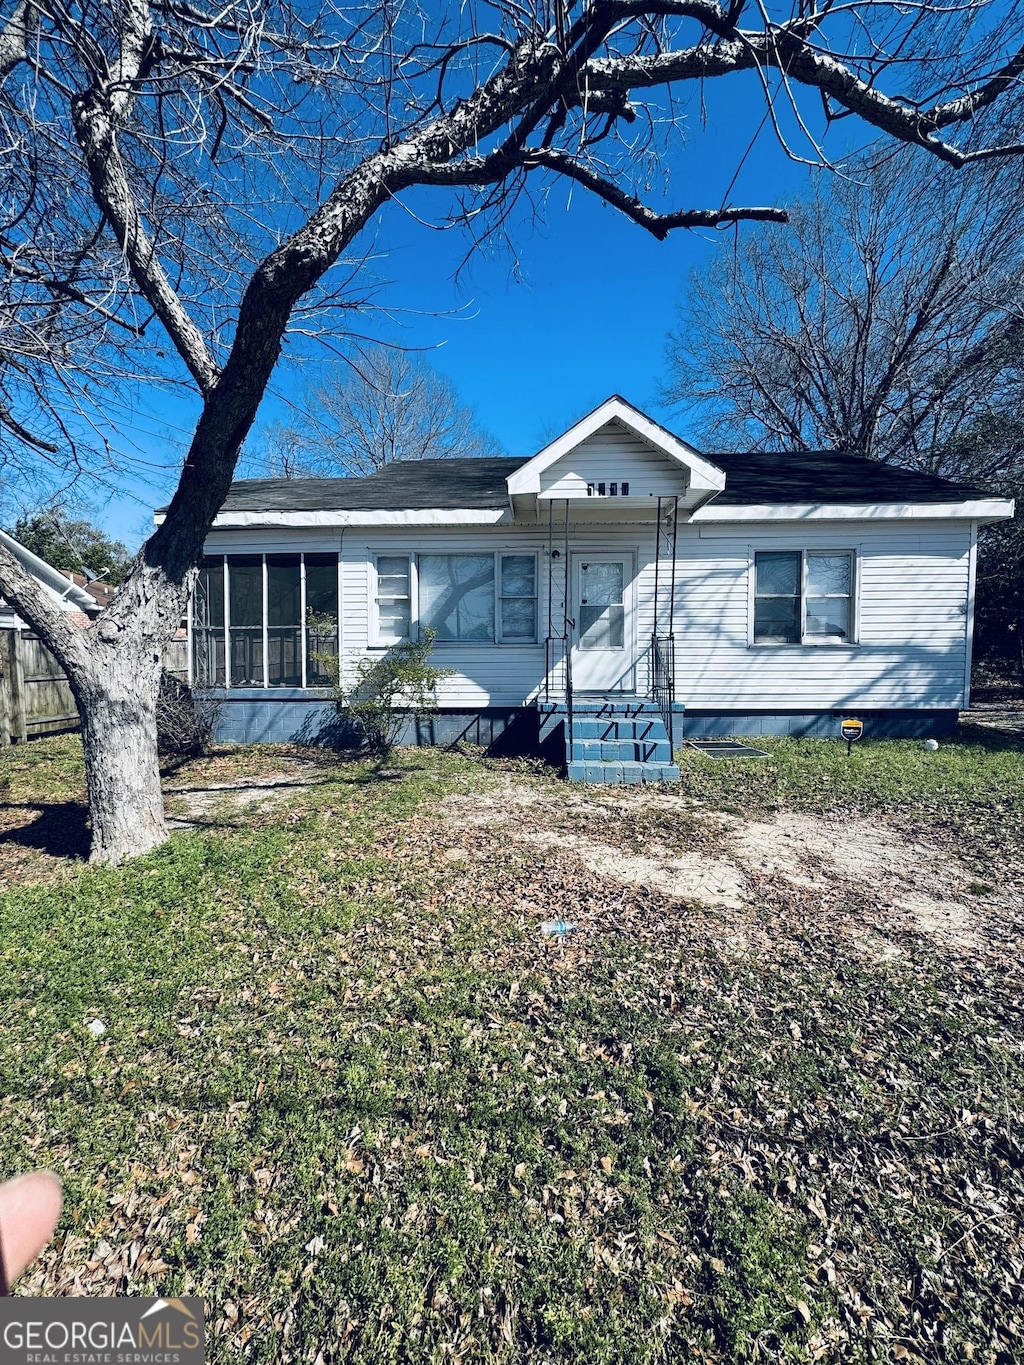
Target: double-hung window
{"points": [[486, 597], [803, 597]]}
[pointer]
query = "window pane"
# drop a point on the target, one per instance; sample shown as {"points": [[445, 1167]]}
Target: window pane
{"points": [[208, 603], [208, 658], [208, 624], [245, 585], [518, 618], [247, 656], [602, 626], [284, 606], [284, 652], [322, 585], [778, 574], [828, 617], [321, 618], [777, 620], [457, 596], [393, 620], [518, 576], [828, 574], [245, 607], [393, 617], [398, 564], [600, 584]]}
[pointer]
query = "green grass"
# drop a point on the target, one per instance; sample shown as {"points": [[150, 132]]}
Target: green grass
{"points": [[350, 1096], [974, 787]]}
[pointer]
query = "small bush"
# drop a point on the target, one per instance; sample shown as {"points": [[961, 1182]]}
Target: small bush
{"points": [[388, 690], [185, 720]]}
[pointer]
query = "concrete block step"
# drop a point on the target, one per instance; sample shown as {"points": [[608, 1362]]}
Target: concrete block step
{"points": [[664, 772], [619, 751], [613, 774], [613, 706], [550, 725], [636, 729]]}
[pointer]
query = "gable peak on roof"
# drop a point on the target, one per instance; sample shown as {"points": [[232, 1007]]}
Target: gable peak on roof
{"points": [[701, 474]]}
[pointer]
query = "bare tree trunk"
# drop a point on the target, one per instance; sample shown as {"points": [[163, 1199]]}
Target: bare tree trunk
{"points": [[114, 669], [117, 704]]}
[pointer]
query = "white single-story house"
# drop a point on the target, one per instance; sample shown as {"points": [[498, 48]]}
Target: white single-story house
{"points": [[616, 578]]}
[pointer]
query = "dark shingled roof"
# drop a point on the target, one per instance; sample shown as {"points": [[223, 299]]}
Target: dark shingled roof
{"points": [[829, 476], [406, 484], [815, 476]]}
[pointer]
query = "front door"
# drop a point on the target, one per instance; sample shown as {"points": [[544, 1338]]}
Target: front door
{"points": [[603, 656]]}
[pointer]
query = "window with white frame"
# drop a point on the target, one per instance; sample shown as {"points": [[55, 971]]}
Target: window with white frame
{"points": [[265, 620], [393, 599], [803, 597], [484, 597], [517, 598]]}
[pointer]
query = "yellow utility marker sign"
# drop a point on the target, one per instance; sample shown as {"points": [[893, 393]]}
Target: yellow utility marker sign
{"points": [[850, 730]]}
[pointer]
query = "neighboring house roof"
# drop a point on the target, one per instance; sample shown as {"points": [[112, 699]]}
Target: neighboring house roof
{"points": [[102, 593], [69, 595]]}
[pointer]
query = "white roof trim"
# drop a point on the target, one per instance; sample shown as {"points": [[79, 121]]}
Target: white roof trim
{"points": [[703, 474], [980, 508], [417, 516], [68, 594]]}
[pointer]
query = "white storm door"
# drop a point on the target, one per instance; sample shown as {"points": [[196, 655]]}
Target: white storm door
{"points": [[603, 655]]}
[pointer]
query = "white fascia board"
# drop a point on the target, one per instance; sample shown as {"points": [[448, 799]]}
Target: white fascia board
{"points": [[987, 509], [703, 474], [428, 516]]}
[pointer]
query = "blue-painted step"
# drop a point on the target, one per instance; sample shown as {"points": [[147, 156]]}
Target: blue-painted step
{"points": [[615, 773], [612, 740]]}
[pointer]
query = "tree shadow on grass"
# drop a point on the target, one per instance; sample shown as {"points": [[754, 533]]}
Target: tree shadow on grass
{"points": [[60, 829]]}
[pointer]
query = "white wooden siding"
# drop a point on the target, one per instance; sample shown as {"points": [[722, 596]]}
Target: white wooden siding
{"points": [[912, 593], [912, 601], [612, 455]]}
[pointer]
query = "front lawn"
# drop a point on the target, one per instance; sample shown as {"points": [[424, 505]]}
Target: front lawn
{"points": [[351, 1096]]}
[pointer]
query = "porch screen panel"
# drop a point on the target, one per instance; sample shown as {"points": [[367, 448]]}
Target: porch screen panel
{"points": [[777, 597], [518, 597], [208, 624], [245, 590], [602, 609], [284, 621], [457, 596], [321, 618]]}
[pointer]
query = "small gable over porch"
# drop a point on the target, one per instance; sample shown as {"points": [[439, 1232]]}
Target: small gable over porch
{"points": [[615, 457]]}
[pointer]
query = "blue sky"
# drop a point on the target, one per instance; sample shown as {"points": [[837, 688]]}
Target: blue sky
{"points": [[531, 343]]}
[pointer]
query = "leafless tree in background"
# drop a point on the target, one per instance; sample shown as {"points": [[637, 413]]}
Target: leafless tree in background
{"points": [[385, 405], [182, 182], [887, 318]]}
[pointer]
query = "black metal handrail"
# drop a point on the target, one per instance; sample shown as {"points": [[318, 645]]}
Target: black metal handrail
{"points": [[663, 676], [557, 659], [558, 655]]}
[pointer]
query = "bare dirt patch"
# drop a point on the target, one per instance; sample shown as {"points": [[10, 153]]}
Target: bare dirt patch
{"points": [[198, 804], [882, 882]]}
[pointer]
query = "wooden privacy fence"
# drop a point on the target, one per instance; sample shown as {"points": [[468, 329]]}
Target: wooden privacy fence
{"points": [[35, 698]]}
